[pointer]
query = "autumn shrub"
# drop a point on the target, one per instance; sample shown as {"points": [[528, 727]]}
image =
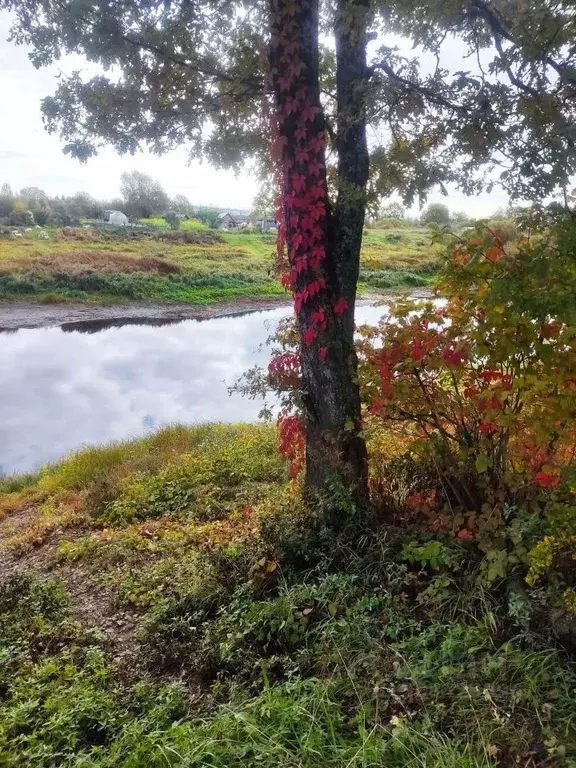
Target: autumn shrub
{"points": [[480, 387], [507, 230]]}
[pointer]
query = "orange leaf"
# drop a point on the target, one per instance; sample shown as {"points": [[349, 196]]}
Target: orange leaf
{"points": [[494, 253]]}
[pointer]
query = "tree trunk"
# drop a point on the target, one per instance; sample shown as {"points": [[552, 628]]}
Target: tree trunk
{"points": [[323, 246]]}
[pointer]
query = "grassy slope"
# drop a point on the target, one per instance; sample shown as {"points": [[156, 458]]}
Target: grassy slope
{"points": [[183, 609], [85, 266]]}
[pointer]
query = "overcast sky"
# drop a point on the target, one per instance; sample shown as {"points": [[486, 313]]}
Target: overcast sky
{"points": [[31, 157]]}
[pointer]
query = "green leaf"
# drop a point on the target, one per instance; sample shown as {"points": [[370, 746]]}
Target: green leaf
{"points": [[481, 463]]}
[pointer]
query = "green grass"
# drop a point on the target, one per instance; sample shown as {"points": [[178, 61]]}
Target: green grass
{"points": [[192, 611], [154, 222], [189, 265]]}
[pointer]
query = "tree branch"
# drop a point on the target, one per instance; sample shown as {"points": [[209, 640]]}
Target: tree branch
{"points": [[418, 88], [163, 54], [499, 31]]}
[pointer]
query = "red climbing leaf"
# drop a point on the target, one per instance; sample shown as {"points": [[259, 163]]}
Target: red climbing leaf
{"points": [[309, 336], [341, 306]]}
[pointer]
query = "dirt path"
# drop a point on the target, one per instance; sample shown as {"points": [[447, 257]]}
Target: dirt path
{"points": [[94, 606], [16, 314]]}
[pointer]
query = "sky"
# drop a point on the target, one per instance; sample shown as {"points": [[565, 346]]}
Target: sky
{"points": [[29, 156]]}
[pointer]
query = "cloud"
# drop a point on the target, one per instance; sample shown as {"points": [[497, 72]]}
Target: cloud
{"points": [[6, 154]]}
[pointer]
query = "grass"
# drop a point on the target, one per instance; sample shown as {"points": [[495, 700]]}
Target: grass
{"points": [[170, 602], [190, 265]]}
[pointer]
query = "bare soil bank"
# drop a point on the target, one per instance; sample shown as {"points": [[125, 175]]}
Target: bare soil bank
{"points": [[14, 315], [22, 314]]}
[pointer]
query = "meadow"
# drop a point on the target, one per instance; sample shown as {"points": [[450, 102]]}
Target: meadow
{"points": [[172, 602], [190, 265]]}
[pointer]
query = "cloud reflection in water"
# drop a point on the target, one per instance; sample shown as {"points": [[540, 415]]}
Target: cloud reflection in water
{"points": [[63, 388]]}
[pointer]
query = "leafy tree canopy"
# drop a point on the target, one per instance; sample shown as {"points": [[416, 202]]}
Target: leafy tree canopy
{"points": [[392, 211], [194, 74], [436, 213], [35, 196], [143, 196]]}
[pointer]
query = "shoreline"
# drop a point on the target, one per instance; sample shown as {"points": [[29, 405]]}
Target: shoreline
{"points": [[30, 314], [17, 315]]}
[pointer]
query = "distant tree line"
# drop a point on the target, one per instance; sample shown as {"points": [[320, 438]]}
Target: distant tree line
{"points": [[393, 214], [142, 197]]}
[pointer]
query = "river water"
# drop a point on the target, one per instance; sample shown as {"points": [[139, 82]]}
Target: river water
{"points": [[87, 383]]}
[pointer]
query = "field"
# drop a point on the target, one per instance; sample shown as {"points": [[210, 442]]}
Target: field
{"points": [[191, 265], [170, 603]]}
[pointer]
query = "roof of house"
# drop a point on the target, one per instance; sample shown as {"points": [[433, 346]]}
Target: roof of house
{"points": [[237, 215]]}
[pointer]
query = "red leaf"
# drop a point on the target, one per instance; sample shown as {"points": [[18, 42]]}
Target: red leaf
{"points": [[309, 113], [418, 350], [323, 353], [317, 256], [341, 306], [319, 319], [298, 182], [454, 356], [296, 67], [317, 192], [301, 155], [314, 168], [309, 336], [317, 143], [548, 479], [300, 264]]}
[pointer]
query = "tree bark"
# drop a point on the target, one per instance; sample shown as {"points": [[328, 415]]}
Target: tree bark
{"points": [[335, 450]]}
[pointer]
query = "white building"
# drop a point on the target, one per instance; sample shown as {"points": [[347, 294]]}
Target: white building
{"points": [[116, 218]]}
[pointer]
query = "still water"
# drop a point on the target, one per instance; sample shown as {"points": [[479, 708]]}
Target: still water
{"points": [[88, 383]]}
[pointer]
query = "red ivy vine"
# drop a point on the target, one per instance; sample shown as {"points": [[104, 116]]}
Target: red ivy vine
{"points": [[298, 154]]}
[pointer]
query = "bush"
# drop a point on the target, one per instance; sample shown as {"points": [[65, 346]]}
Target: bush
{"points": [[479, 392], [389, 224], [505, 229], [21, 218]]}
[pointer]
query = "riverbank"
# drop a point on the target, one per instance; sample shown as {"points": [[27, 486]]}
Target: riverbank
{"points": [[85, 266], [171, 602], [30, 314]]}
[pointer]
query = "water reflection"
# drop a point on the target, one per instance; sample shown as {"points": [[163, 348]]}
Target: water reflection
{"points": [[65, 387], [95, 326]]}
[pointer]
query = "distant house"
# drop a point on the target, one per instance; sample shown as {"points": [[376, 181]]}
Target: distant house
{"points": [[266, 224], [116, 218], [233, 219]]}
